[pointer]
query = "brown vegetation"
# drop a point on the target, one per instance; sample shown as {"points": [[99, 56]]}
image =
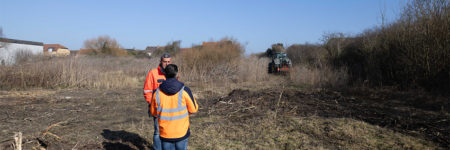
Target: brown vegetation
{"points": [[211, 62], [412, 51], [75, 72], [91, 102], [312, 55], [104, 45], [312, 69], [324, 77], [171, 48], [222, 63]]}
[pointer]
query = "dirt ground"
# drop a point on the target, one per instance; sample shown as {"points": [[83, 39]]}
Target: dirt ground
{"points": [[118, 119]]}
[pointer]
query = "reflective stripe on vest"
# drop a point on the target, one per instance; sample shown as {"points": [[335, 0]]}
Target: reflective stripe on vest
{"points": [[146, 91], [178, 109]]}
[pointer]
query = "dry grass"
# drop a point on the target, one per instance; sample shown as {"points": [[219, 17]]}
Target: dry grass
{"points": [[78, 72], [253, 69], [126, 72], [219, 61], [220, 65], [324, 77]]}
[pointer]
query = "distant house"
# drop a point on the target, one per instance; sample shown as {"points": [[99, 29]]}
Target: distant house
{"points": [[56, 50], [210, 43], [10, 47]]}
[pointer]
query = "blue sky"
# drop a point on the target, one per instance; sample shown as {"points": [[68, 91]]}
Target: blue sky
{"points": [[257, 24]]}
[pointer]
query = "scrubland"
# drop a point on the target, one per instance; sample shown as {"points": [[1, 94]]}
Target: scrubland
{"points": [[386, 88]]}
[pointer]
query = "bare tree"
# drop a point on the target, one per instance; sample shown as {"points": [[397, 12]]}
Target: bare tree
{"points": [[2, 44], [383, 14], [334, 43], [105, 45], [307, 54]]}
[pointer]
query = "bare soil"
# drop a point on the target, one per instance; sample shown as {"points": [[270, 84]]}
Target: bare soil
{"points": [[118, 119]]}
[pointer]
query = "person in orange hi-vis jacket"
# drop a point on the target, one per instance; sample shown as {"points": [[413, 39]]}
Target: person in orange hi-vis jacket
{"points": [[154, 78], [172, 104]]}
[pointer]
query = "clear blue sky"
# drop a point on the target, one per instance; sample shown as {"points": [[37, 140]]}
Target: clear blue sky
{"points": [[139, 23]]}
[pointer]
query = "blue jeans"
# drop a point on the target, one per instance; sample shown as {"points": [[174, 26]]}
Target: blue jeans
{"points": [[180, 145], [156, 139]]}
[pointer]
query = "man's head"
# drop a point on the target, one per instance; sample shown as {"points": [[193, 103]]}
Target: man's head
{"points": [[165, 60], [171, 71]]}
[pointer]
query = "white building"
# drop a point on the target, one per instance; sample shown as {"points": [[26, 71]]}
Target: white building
{"points": [[10, 47]]}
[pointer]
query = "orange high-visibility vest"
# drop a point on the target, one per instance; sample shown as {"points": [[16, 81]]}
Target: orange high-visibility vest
{"points": [[173, 112]]}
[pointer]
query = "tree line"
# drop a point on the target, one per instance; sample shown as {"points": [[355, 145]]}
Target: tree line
{"points": [[411, 52]]}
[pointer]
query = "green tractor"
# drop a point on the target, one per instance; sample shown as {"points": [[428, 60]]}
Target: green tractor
{"points": [[280, 63]]}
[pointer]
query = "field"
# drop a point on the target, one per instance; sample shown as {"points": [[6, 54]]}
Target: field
{"points": [[256, 115]]}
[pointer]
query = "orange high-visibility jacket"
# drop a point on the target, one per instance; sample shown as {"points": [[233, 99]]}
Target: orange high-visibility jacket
{"points": [[173, 112], [154, 78]]}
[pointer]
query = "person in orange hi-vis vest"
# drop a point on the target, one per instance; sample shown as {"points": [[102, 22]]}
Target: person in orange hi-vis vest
{"points": [[154, 78], [172, 104]]}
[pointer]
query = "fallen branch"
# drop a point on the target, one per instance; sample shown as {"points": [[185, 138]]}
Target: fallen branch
{"points": [[49, 133], [241, 110], [18, 141], [56, 124], [229, 102]]}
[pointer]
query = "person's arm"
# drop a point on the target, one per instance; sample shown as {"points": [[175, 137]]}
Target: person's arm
{"points": [[191, 103], [148, 90]]}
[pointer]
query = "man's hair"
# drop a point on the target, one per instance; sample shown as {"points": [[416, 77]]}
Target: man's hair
{"points": [[165, 55], [171, 71]]}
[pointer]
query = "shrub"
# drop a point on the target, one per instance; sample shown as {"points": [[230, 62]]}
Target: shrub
{"points": [[172, 48], [22, 56], [253, 69], [105, 45], [209, 62]]}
